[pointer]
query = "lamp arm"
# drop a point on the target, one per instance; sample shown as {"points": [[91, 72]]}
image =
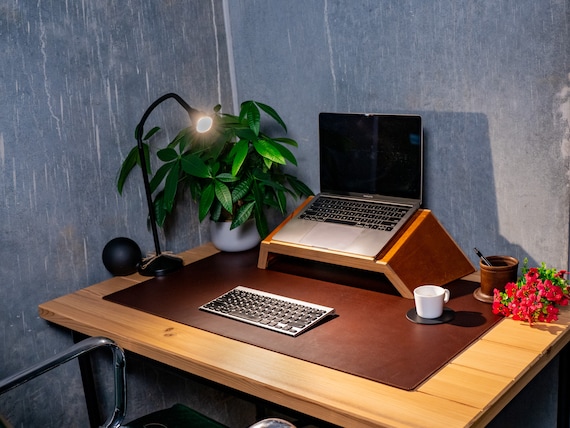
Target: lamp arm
{"points": [[139, 132], [191, 111]]}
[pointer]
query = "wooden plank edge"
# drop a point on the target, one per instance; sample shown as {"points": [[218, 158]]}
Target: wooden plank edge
{"points": [[325, 406]]}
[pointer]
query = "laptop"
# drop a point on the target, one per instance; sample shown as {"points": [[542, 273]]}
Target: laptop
{"points": [[367, 162]]}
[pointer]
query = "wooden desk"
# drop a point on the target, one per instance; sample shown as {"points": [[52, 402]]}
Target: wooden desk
{"points": [[469, 391]]}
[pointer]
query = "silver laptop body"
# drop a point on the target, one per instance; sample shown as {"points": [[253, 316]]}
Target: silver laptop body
{"points": [[374, 158]]}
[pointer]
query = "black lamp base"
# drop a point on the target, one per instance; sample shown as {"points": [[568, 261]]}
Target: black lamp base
{"points": [[160, 265]]}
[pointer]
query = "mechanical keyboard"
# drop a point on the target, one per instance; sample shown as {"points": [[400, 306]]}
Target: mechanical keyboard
{"points": [[267, 310]]}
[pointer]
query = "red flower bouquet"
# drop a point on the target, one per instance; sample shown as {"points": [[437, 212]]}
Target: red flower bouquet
{"points": [[535, 296]]}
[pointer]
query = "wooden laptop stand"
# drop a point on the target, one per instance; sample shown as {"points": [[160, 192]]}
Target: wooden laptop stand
{"points": [[421, 253]]}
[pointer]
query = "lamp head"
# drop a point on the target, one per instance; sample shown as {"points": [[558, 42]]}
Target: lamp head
{"points": [[203, 124]]}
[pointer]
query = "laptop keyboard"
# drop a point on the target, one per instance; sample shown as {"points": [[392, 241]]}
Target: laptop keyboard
{"points": [[271, 311], [371, 215]]}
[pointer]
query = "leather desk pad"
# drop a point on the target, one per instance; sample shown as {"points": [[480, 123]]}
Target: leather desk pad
{"points": [[369, 337]]}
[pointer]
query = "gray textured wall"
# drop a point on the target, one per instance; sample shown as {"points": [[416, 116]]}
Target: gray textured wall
{"points": [[75, 78], [490, 78]]}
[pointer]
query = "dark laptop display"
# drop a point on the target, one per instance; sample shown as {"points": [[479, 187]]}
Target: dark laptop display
{"points": [[374, 154], [371, 183]]}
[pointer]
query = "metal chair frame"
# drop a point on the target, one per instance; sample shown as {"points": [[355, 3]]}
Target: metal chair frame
{"points": [[75, 351], [82, 348]]}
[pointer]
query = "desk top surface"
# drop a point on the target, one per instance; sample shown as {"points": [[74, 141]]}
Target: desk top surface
{"points": [[468, 391], [369, 336]]}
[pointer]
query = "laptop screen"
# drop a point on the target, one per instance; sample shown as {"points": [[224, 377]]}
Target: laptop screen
{"points": [[371, 154]]}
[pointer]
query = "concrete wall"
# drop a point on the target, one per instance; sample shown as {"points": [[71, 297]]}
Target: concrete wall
{"points": [[75, 79], [490, 78]]}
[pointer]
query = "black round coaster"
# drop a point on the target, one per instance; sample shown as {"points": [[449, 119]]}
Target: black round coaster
{"points": [[448, 315]]}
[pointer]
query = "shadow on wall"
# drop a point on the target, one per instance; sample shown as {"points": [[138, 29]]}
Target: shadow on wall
{"points": [[459, 184]]}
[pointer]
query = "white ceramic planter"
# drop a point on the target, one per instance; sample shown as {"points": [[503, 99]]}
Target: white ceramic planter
{"points": [[242, 238]]}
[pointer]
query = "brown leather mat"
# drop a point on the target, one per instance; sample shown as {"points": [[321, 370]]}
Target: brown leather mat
{"points": [[370, 336]]}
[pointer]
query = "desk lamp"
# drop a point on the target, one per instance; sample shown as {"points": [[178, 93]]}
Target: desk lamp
{"points": [[162, 264]]}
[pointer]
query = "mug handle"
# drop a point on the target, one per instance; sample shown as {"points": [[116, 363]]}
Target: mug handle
{"points": [[446, 295]]}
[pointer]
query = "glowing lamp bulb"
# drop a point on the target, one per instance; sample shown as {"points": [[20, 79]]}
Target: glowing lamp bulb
{"points": [[204, 124]]}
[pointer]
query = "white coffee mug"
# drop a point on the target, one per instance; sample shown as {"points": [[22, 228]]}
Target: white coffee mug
{"points": [[430, 300]]}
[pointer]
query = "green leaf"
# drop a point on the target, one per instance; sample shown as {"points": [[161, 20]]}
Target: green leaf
{"points": [[162, 172], [192, 164], [159, 210], [212, 144], [271, 112], [246, 134], [257, 194], [285, 152], [243, 214], [261, 223], [131, 160], [224, 195], [266, 179], [182, 140], [226, 177], [300, 188], [250, 112], [214, 168], [150, 133], [281, 200], [146, 152], [288, 141], [227, 120], [241, 190], [206, 200], [239, 151], [166, 155], [216, 211], [171, 186], [269, 151], [260, 219], [195, 189]]}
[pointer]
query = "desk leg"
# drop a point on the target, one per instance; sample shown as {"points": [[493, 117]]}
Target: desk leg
{"points": [[564, 388], [88, 381]]}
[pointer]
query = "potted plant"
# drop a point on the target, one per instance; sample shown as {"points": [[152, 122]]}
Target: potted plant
{"points": [[234, 172]]}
